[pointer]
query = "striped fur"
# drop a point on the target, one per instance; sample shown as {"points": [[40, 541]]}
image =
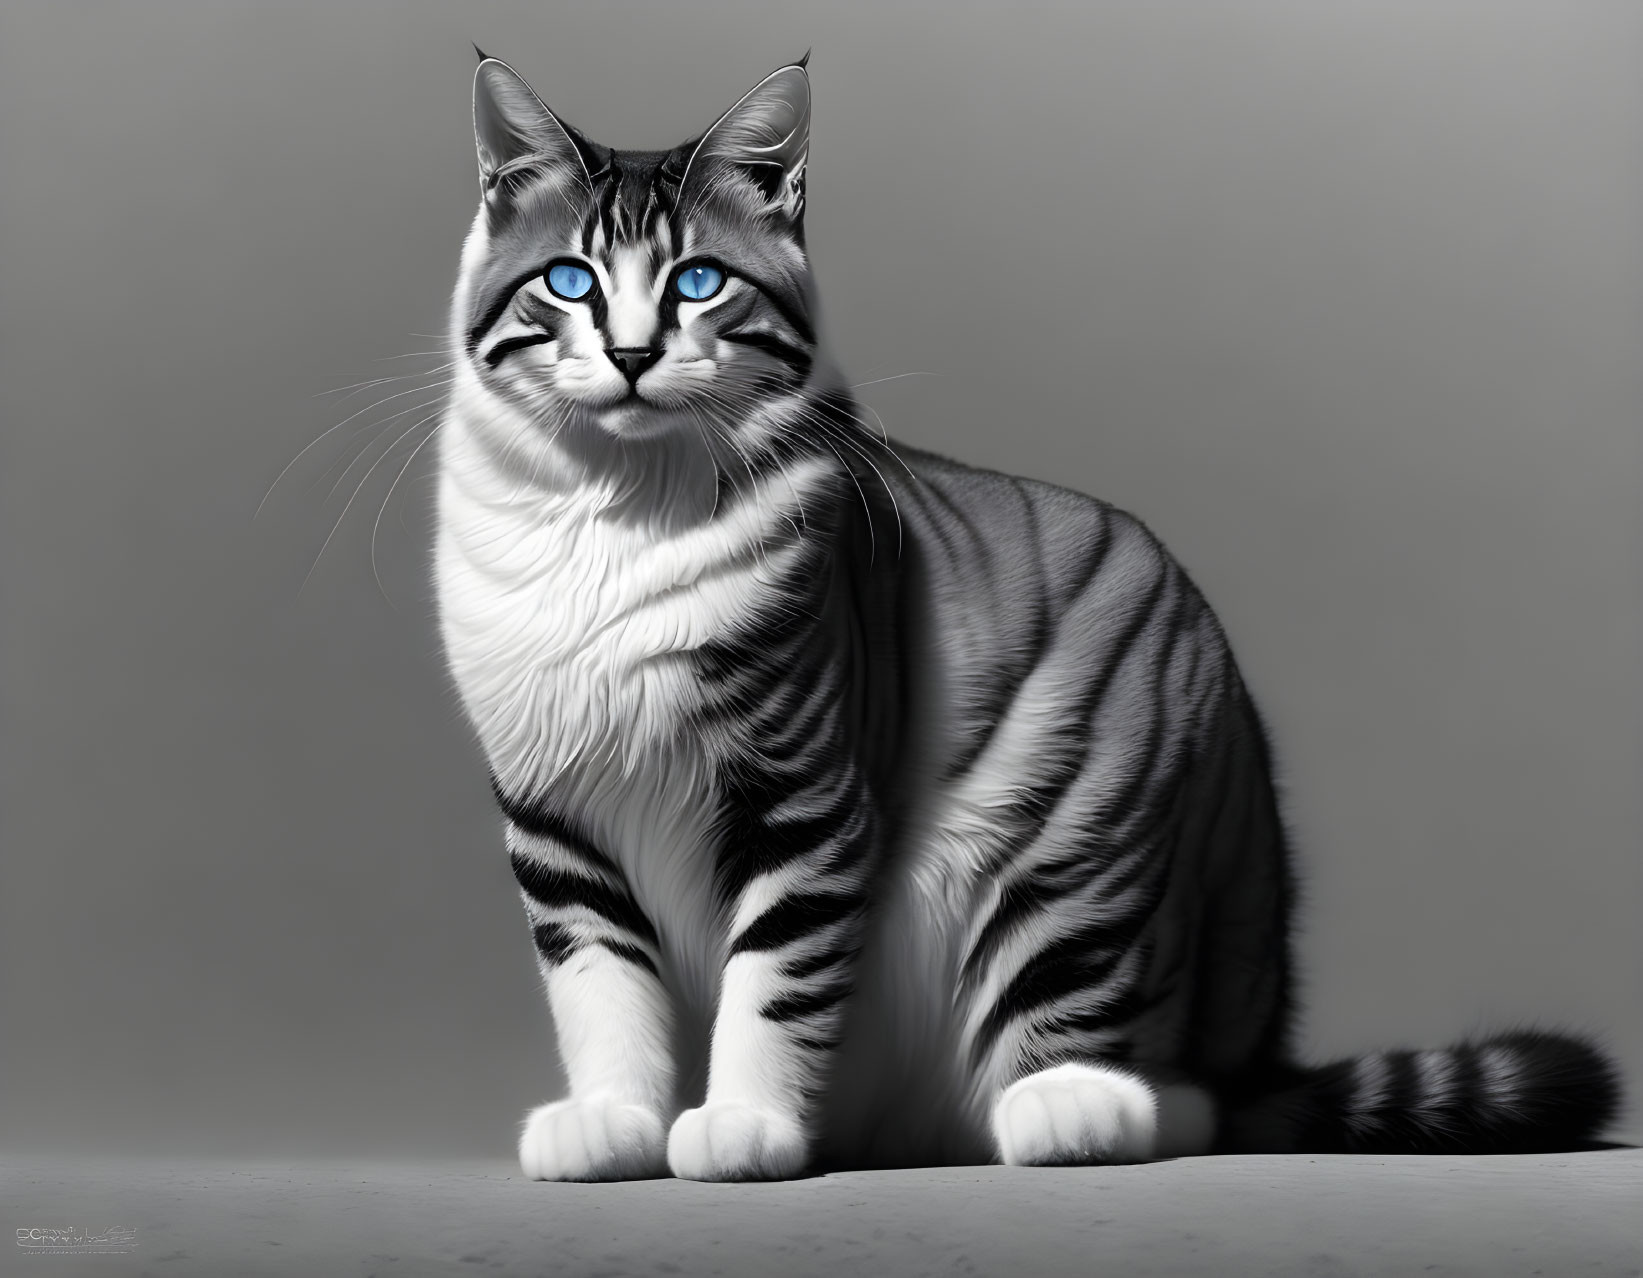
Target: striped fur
{"points": [[867, 808]]}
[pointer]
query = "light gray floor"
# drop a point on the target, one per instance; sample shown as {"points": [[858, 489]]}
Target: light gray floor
{"points": [[1556, 1215]]}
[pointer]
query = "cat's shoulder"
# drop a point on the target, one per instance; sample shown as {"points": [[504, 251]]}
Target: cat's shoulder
{"points": [[1017, 506]]}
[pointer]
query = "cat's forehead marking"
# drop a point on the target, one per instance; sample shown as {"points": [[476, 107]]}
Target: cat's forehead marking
{"points": [[632, 197]]}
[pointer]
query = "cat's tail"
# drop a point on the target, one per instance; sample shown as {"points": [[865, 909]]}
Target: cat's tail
{"points": [[1512, 1093]]}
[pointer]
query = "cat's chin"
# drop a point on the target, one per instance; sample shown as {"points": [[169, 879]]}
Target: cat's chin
{"points": [[636, 418]]}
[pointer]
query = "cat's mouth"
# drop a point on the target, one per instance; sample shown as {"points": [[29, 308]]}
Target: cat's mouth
{"points": [[635, 416]]}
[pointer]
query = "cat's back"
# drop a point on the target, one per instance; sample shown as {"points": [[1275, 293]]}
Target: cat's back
{"points": [[1022, 540], [1014, 574]]}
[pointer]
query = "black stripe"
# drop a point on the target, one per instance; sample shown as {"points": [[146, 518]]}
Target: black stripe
{"points": [[1096, 557], [806, 834], [1468, 1094], [794, 743], [1016, 900], [655, 254], [752, 848], [503, 349], [1221, 787], [758, 791], [753, 661], [792, 356], [1128, 803], [1279, 960], [792, 708], [1038, 630], [791, 1007], [795, 320], [1396, 1114], [735, 311], [554, 941], [1052, 880], [542, 821], [961, 517], [546, 316], [605, 205], [1039, 643], [815, 1044], [1038, 801], [1035, 557], [553, 888], [632, 953], [488, 320], [804, 968], [1147, 867], [792, 918], [1118, 1010], [939, 529], [1070, 963]]}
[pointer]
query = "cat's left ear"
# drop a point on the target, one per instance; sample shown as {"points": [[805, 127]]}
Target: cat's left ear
{"points": [[767, 137]]}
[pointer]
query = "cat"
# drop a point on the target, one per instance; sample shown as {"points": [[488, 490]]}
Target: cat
{"points": [[868, 809]]}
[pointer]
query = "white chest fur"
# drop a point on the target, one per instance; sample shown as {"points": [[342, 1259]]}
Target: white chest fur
{"points": [[570, 628], [570, 624]]}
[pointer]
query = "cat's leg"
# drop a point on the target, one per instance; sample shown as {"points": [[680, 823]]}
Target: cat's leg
{"points": [[796, 865], [599, 959], [1055, 998]]}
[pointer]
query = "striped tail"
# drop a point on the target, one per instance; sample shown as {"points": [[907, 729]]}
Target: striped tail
{"points": [[1517, 1093]]}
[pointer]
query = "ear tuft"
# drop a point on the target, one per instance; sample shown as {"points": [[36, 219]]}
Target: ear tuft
{"points": [[767, 136], [485, 57]]}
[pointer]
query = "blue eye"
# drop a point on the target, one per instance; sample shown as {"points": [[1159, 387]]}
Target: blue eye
{"points": [[569, 281], [698, 283]]}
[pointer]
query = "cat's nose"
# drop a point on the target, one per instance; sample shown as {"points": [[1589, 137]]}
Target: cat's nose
{"points": [[632, 360]]}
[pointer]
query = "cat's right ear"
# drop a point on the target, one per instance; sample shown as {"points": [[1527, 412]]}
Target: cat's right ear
{"points": [[516, 135]]}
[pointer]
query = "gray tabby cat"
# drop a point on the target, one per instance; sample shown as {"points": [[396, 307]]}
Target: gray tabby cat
{"points": [[867, 808]]}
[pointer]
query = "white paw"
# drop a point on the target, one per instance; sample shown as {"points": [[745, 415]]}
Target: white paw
{"points": [[1076, 1114], [727, 1140], [596, 1138]]}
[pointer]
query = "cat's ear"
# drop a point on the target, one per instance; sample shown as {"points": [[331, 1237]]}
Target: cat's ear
{"points": [[767, 137], [516, 134]]}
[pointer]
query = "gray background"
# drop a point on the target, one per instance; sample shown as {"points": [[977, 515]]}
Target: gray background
{"points": [[1346, 300]]}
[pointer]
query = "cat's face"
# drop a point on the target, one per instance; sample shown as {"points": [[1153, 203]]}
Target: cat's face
{"points": [[633, 294]]}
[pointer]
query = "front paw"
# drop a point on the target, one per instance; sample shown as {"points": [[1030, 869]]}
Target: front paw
{"points": [[727, 1140], [598, 1138]]}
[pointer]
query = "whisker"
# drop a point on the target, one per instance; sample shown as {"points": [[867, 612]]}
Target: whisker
{"points": [[894, 505], [376, 430], [414, 390], [894, 377], [763, 549], [337, 390], [364, 479], [714, 396], [389, 379], [377, 523], [872, 536], [883, 441]]}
